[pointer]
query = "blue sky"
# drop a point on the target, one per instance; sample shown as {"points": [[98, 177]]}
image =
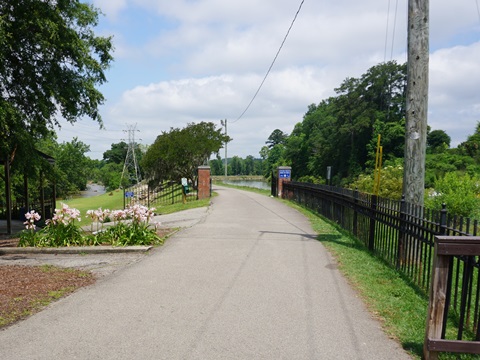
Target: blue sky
{"points": [[183, 61]]}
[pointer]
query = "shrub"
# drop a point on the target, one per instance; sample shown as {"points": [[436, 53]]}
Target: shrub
{"points": [[460, 193]]}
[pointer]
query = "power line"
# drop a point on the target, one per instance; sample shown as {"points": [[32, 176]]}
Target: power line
{"points": [[478, 10], [393, 31], [273, 62]]}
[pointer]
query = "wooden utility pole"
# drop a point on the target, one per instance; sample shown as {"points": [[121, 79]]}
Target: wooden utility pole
{"points": [[417, 101], [224, 123]]}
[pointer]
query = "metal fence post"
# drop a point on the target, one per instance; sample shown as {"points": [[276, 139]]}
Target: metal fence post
{"points": [[443, 219], [373, 214], [355, 210], [401, 236]]}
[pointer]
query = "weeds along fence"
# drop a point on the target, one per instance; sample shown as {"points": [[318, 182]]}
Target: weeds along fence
{"points": [[403, 234], [168, 193]]}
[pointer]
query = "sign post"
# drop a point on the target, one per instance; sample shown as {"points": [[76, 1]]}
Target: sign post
{"points": [[284, 175]]}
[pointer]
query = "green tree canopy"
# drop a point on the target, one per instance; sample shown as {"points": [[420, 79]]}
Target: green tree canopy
{"points": [[472, 145], [72, 161], [438, 140], [179, 152], [276, 137], [117, 153], [50, 64], [342, 130]]}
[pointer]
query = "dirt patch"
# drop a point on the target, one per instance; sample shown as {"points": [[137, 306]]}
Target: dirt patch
{"points": [[29, 282], [25, 290]]}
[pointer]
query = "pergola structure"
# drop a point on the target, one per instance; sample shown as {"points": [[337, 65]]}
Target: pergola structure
{"points": [[27, 201]]}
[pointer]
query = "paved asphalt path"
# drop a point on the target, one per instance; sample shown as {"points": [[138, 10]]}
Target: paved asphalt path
{"points": [[249, 281]]}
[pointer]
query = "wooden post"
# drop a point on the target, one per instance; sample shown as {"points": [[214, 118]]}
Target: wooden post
{"points": [[446, 247], [436, 308], [8, 194], [416, 102]]}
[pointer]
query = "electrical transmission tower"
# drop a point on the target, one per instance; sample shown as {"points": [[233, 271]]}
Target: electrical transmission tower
{"points": [[130, 168]]}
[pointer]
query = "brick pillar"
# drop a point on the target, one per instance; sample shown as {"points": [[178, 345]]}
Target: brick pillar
{"points": [[284, 173], [203, 182]]}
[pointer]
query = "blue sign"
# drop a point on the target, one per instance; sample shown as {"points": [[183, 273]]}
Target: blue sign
{"points": [[285, 174], [129, 194]]}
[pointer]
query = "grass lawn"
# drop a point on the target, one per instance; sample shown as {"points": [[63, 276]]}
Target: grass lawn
{"points": [[114, 201]]}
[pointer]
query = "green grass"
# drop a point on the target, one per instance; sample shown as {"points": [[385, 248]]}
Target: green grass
{"points": [[114, 201]]}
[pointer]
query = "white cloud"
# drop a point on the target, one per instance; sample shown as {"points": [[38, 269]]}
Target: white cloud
{"points": [[187, 61]]}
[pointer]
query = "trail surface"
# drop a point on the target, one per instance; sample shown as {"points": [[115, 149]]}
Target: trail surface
{"points": [[249, 281]]}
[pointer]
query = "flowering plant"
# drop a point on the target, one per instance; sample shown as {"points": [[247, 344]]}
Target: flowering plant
{"points": [[98, 216], [31, 217], [61, 229], [130, 227], [28, 236]]}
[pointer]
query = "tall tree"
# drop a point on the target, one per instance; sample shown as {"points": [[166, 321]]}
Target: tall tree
{"points": [[51, 61], [179, 152], [117, 153], [72, 161], [338, 132], [437, 141], [276, 137], [50, 64]]}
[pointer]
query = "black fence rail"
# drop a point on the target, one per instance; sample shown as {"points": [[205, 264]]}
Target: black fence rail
{"points": [[403, 235], [45, 209], [167, 193]]}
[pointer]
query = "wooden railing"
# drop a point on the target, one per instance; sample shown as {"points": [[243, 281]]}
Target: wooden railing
{"points": [[446, 248]]}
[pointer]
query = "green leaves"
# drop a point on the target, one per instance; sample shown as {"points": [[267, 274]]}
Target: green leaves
{"points": [[179, 152], [338, 131], [50, 62], [459, 192]]}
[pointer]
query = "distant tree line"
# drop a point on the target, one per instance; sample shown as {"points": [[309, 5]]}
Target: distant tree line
{"points": [[342, 131]]}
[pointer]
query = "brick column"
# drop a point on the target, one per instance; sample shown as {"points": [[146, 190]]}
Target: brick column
{"points": [[203, 182], [284, 173]]}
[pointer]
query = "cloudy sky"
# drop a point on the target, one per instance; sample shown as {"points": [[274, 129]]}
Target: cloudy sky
{"points": [[184, 61]]}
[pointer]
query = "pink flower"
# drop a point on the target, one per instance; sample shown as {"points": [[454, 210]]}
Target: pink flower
{"points": [[31, 217]]}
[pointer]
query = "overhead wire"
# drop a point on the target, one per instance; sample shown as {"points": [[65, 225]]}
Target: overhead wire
{"points": [[386, 32], [273, 63], [478, 10], [393, 31]]}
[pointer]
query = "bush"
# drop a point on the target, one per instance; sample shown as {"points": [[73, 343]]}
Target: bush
{"points": [[460, 193], [391, 182]]}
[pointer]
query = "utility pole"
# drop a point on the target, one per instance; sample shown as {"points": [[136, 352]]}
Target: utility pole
{"points": [[416, 101], [224, 123], [130, 166]]}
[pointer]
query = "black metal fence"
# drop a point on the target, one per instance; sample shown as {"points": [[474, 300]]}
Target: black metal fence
{"points": [[168, 193], [403, 235]]}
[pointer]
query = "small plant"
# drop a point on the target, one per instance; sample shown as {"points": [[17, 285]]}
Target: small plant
{"points": [[28, 236], [61, 229], [99, 217], [131, 227]]}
